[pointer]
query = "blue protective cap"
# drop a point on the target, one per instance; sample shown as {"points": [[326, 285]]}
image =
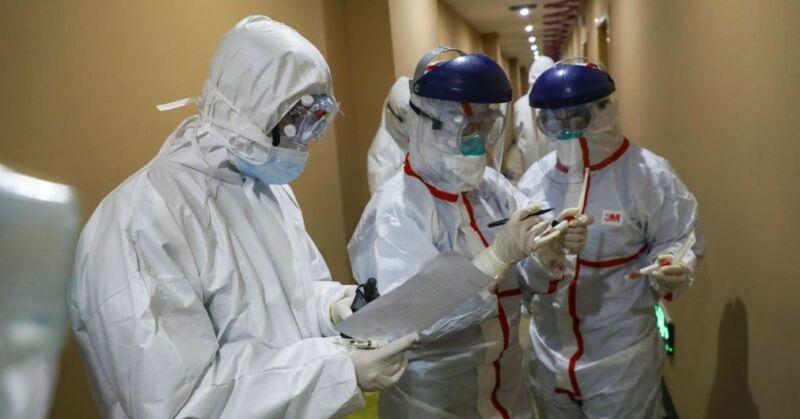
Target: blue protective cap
{"points": [[568, 85], [472, 78]]}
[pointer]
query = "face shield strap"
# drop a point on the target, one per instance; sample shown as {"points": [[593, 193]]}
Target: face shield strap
{"points": [[437, 123], [422, 65], [393, 112], [276, 136]]}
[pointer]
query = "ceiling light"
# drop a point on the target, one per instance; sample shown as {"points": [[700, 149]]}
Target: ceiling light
{"points": [[524, 11], [528, 28], [534, 47], [531, 39]]}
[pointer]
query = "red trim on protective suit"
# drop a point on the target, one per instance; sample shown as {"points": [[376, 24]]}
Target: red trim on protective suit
{"points": [[446, 196], [509, 293], [573, 312], [610, 263], [501, 317], [472, 222], [603, 163], [575, 393], [553, 286]]}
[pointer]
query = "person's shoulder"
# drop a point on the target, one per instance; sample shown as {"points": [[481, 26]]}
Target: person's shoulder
{"points": [[536, 173], [522, 104], [643, 162], [401, 192]]}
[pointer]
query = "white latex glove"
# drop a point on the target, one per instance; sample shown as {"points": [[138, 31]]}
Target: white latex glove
{"points": [[552, 253], [340, 310], [512, 244], [379, 368], [574, 238], [670, 277]]}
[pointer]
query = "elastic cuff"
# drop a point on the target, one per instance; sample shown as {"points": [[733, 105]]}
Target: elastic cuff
{"points": [[488, 263]]}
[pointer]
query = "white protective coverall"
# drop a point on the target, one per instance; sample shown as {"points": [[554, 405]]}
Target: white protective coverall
{"points": [[596, 350], [468, 364], [389, 148], [39, 225], [198, 292], [532, 144]]}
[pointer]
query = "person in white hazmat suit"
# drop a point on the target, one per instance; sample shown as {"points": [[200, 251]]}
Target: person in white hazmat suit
{"points": [[529, 141], [596, 349], [197, 291], [468, 364], [390, 145]]}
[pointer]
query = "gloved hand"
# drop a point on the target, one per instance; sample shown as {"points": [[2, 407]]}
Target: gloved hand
{"points": [[574, 238], [379, 368], [512, 244], [340, 309], [552, 250], [670, 277]]}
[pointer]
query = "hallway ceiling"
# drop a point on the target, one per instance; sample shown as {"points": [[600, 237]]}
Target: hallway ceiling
{"points": [[496, 16]]}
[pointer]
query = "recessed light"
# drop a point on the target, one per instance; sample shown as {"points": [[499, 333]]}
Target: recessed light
{"points": [[524, 11], [531, 39], [528, 28]]}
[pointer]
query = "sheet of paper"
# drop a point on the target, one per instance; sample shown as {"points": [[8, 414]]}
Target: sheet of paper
{"points": [[440, 287]]}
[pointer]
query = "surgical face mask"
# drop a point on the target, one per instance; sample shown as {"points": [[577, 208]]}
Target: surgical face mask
{"points": [[465, 172], [281, 166], [569, 153]]}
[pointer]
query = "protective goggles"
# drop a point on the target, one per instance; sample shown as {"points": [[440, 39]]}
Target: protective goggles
{"points": [[307, 121], [470, 132], [565, 123]]}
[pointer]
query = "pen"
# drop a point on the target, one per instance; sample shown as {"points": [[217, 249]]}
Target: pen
{"points": [[505, 220]]}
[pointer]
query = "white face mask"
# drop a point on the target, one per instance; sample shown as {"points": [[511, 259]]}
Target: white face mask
{"points": [[569, 153], [462, 173], [282, 166]]}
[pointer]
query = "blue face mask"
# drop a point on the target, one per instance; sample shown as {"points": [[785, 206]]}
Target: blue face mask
{"points": [[474, 145], [569, 134], [282, 166]]}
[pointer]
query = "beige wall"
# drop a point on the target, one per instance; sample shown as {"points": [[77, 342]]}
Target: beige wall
{"points": [[414, 32], [454, 31], [712, 86], [360, 33]]}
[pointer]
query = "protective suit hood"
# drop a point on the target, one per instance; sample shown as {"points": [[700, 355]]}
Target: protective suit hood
{"points": [[539, 66], [259, 71], [396, 110]]}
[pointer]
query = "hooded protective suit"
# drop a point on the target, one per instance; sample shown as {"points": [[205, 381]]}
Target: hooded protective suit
{"points": [[198, 292], [596, 349], [389, 148], [532, 144], [468, 364]]}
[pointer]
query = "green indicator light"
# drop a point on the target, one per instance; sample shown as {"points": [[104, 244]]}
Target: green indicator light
{"points": [[665, 329]]}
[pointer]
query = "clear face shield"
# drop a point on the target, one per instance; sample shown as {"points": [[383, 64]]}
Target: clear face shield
{"points": [[460, 139], [595, 124]]}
